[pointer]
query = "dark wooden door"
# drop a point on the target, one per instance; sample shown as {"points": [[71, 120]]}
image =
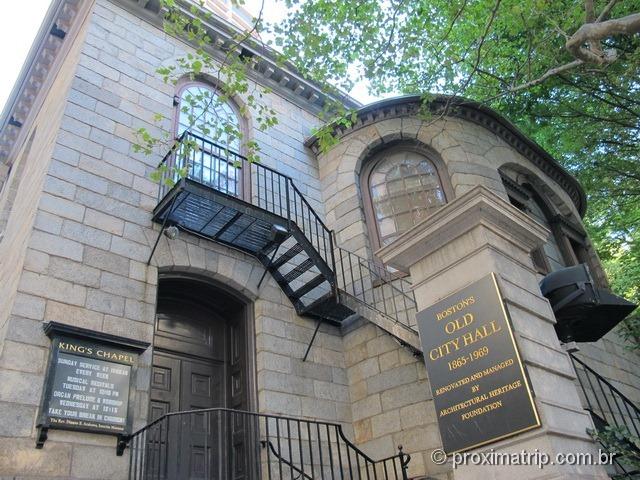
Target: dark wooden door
{"points": [[198, 363]]}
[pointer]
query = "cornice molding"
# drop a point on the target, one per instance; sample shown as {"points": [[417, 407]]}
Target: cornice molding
{"points": [[479, 206], [458, 107], [282, 78], [35, 71]]}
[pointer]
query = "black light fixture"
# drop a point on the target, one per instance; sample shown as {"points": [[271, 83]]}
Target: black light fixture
{"points": [[583, 312], [278, 234]]}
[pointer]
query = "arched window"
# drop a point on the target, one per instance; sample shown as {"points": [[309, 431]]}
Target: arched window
{"points": [[214, 125], [403, 188], [565, 244], [552, 255], [203, 113]]}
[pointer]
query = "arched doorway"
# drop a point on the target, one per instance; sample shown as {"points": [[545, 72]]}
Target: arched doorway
{"points": [[200, 360]]}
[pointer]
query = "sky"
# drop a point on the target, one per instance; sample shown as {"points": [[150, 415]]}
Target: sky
{"points": [[274, 11], [19, 24], [20, 21]]}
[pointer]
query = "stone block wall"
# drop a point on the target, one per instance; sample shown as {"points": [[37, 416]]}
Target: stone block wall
{"points": [[79, 235], [391, 399], [472, 155], [82, 221]]}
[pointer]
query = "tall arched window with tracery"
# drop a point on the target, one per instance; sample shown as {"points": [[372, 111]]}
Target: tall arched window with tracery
{"points": [[403, 187], [213, 124]]}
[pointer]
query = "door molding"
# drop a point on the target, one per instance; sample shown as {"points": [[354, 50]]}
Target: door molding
{"points": [[231, 310], [247, 317]]}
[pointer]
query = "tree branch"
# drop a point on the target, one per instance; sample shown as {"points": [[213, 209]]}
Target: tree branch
{"points": [[590, 14], [592, 33], [549, 73], [605, 11], [487, 29]]}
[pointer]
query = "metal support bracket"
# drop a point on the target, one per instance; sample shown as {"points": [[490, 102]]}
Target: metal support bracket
{"points": [[266, 268], [164, 224], [123, 441], [582, 287], [41, 436], [315, 332]]}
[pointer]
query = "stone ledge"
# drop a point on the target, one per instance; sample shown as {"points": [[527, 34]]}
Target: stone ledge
{"points": [[402, 332]]}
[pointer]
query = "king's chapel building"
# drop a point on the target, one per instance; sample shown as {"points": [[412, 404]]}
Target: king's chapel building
{"points": [[261, 320]]}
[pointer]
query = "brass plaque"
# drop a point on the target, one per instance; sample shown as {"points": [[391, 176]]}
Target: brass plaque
{"points": [[480, 389]]}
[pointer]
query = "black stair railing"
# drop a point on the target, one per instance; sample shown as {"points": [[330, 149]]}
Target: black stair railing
{"points": [[219, 443], [608, 407], [376, 286], [218, 167], [604, 400]]}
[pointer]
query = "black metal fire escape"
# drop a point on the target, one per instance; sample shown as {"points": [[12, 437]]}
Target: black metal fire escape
{"points": [[253, 208], [250, 207]]}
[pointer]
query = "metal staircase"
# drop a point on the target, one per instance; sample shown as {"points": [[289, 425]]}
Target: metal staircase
{"points": [[223, 197], [608, 407]]}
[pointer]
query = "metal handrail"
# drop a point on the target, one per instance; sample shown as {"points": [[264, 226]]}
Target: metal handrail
{"points": [[608, 407], [598, 392], [606, 382], [270, 189], [292, 445], [374, 285]]}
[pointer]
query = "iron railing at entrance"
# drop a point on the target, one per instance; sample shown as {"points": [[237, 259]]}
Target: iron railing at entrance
{"points": [[608, 407], [219, 443]]}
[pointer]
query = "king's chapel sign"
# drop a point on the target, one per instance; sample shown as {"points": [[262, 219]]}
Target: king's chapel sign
{"points": [[89, 381], [480, 389]]}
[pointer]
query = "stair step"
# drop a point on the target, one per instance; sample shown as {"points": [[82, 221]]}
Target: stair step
{"points": [[328, 308], [286, 256], [308, 287], [297, 271]]}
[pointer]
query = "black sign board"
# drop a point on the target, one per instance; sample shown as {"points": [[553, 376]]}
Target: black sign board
{"points": [[88, 383], [480, 389]]}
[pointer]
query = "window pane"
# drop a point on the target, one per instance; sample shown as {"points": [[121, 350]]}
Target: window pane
{"points": [[203, 113], [405, 190], [387, 227]]}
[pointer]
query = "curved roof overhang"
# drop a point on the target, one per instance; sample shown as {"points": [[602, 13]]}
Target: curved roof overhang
{"points": [[453, 106]]}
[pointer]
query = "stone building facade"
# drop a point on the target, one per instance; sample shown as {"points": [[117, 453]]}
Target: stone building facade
{"points": [[77, 211]]}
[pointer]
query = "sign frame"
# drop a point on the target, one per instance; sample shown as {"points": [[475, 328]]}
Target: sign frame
{"points": [[509, 342], [59, 332]]}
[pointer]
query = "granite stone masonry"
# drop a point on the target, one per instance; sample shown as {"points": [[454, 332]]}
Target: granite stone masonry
{"points": [[315, 325]]}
